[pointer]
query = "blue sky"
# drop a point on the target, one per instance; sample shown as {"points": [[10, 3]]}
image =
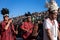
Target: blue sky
{"points": [[19, 7]]}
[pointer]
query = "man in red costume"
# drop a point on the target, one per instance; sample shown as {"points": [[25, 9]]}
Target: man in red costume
{"points": [[0, 33], [7, 27], [27, 27]]}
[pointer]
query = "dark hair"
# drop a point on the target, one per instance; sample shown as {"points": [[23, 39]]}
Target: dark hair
{"points": [[27, 14], [4, 11], [25, 19]]}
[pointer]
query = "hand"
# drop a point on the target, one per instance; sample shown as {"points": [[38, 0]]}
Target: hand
{"points": [[27, 30], [59, 38], [36, 34], [16, 32], [10, 21]]}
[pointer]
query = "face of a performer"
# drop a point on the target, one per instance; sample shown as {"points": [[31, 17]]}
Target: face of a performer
{"points": [[29, 18], [54, 15], [6, 18]]}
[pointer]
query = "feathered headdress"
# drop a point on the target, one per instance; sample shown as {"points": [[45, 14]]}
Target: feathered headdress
{"points": [[52, 5], [5, 12]]}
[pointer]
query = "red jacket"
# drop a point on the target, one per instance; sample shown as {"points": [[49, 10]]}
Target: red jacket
{"points": [[7, 34], [27, 26]]}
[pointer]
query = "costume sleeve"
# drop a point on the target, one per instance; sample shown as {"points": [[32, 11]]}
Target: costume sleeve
{"points": [[13, 27], [0, 28], [46, 24], [24, 26], [13, 30], [3, 26]]}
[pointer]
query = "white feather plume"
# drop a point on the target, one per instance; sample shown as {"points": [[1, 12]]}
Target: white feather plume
{"points": [[52, 5]]}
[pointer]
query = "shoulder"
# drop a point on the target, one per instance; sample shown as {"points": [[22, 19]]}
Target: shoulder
{"points": [[1, 22], [56, 21], [25, 22], [47, 24], [46, 20]]}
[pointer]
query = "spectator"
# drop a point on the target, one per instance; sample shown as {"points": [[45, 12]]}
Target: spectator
{"points": [[35, 31], [7, 28], [51, 31], [27, 27], [40, 30]]}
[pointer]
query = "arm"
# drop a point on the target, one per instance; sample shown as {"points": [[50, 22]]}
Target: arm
{"points": [[49, 34], [23, 27], [6, 27], [9, 22], [58, 34], [15, 31], [47, 28]]}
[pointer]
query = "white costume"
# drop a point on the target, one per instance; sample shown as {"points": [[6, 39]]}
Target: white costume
{"points": [[53, 28], [52, 5]]}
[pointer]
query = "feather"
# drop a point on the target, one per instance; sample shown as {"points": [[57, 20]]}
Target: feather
{"points": [[4, 11]]}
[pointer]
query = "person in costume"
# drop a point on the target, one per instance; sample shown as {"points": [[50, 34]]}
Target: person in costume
{"points": [[7, 27], [50, 24], [27, 28], [0, 32]]}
